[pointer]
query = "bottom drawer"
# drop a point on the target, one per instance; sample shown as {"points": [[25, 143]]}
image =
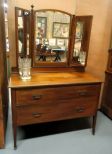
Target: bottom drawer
{"points": [[55, 111]]}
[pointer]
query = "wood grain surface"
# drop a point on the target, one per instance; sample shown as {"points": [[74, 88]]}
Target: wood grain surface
{"points": [[49, 79]]}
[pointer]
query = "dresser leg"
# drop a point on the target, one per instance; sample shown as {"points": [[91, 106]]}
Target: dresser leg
{"points": [[94, 124], [14, 125], [14, 135]]}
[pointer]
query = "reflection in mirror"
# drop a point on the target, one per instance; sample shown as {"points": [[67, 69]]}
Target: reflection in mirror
{"points": [[20, 34], [79, 55], [23, 30], [51, 36]]}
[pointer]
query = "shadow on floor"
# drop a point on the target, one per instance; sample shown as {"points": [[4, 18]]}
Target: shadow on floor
{"points": [[37, 130]]}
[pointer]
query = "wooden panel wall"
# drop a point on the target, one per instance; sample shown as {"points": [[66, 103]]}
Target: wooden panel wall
{"points": [[3, 80]]}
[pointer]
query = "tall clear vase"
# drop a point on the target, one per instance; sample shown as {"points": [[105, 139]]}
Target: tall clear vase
{"points": [[24, 68]]}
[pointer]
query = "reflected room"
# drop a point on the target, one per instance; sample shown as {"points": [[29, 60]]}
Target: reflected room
{"points": [[51, 36]]}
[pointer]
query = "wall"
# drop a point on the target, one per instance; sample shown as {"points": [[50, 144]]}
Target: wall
{"points": [[65, 5], [100, 34]]}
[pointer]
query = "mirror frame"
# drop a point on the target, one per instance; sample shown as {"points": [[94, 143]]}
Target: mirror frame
{"points": [[69, 64], [49, 64], [87, 20], [16, 33]]}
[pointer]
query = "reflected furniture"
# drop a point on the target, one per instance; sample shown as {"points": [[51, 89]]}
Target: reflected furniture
{"points": [[43, 52], [58, 53], [45, 55]]}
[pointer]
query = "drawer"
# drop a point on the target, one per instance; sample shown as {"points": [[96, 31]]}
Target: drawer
{"points": [[56, 111], [46, 95]]}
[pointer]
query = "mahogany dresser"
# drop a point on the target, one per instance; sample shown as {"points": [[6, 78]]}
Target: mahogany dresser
{"points": [[50, 97], [106, 106]]}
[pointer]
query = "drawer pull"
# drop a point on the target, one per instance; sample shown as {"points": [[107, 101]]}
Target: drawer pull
{"points": [[36, 97], [36, 114], [82, 93], [80, 109]]}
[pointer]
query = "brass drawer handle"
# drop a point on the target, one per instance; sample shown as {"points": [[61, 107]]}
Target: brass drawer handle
{"points": [[36, 97], [80, 109], [83, 93], [36, 114]]}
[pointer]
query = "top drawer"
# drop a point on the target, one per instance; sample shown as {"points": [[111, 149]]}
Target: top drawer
{"points": [[44, 95]]}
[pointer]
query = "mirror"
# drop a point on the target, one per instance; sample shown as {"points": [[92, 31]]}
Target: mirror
{"points": [[78, 54], [81, 28], [52, 30], [22, 32], [52, 38]]}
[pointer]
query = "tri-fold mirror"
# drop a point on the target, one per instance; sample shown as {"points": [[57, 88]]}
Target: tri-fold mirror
{"points": [[52, 38]]}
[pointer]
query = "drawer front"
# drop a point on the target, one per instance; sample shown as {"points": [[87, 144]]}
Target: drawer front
{"points": [[46, 95], [61, 110]]}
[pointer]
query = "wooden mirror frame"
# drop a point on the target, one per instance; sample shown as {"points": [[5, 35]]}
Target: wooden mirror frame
{"points": [[24, 33], [70, 65], [48, 64], [87, 20]]}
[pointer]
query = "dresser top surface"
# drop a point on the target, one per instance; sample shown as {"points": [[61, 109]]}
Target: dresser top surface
{"points": [[49, 79]]}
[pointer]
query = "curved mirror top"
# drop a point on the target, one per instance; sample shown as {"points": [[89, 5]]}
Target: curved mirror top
{"points": [[51, 36]]}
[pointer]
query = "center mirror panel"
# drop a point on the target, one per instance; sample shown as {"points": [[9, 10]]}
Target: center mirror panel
{"points": [[52, 31]]}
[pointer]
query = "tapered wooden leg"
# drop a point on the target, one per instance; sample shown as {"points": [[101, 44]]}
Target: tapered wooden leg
{"points": [[14, 125], [94, 124], [14, 136]]}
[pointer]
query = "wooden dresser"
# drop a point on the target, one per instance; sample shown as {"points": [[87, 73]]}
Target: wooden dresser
{"points": [[106, 105], [52, 97]]}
